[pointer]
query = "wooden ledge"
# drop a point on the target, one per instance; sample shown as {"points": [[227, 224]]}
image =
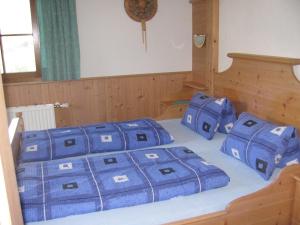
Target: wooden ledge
{"points": [[175, 102], [195, 85], [263, 58]]}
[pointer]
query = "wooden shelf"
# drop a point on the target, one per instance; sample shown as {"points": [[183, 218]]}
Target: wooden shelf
{"points": [[195, 85], [185, 94], [175, 102]]}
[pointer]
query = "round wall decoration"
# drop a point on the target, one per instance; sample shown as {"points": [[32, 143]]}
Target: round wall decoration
{"points": [[141, 11]]}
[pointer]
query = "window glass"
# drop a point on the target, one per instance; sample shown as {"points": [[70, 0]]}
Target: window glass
{"points": [[18, 54], [15, 17]]}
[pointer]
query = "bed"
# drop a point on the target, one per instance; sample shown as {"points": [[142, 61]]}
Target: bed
{"points": [[247, 199]]}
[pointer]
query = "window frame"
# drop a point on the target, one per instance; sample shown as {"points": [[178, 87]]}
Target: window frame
{"points": [[25, 76]]}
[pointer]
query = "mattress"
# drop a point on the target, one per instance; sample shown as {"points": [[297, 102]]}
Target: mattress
{"points": [[183, 207], [67, 187], [67, 142]]}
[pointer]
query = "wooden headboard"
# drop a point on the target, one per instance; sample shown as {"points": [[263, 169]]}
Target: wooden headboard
{"points": [[263, 85]]}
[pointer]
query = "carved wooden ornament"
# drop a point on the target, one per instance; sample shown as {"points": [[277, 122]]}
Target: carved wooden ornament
{"points": [[141, 11]]}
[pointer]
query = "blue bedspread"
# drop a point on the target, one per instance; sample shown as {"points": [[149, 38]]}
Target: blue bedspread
{"points": [[207, 115], [66, 187], [96, 138], [261, 145]]}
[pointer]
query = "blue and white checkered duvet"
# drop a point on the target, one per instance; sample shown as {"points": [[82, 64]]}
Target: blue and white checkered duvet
{"points": [[261, 145], [207, 115], [96, 138], [66, 187]]}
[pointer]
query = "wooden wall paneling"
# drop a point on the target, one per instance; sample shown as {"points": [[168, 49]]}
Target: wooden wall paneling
{"points": [[146, 97], [10, 209], [86, 99], [56, 92], [174, 83], [118, 90], [214, 43], [100, 99], [200, 22], [262, 85], [45, 93], [97, 100], [137, 97], [157, 94], [13, 93], [152, 96], [205, 59], [169, 107], [80, 99]]}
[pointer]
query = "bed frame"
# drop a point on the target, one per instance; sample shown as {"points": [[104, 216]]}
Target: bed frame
{"points": [[267, 87]]}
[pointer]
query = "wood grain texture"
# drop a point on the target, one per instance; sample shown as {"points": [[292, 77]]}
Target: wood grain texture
{"points": [[262, 85], [273, 205], [205, 59], [100, 99], [296, 205], [15, 128], [10, 209]]}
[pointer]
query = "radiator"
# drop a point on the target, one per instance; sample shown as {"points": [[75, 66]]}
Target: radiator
{"points": [[36, 117]]}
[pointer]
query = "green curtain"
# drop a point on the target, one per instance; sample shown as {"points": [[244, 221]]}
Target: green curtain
{"points": [[59, 42]]}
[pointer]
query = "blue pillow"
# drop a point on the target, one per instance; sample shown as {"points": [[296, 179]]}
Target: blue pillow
{"points": [[259, 144], [207, 115], [292, 154]]}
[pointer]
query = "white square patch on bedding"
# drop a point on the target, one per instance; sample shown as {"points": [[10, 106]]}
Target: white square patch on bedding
{"points": [[65, 166], [32, 148], [189, 119], [278, 130], [152, 156], [21, 189], [235, 153], [228, 127], [220, 101], [120, 179], [106, 138]]}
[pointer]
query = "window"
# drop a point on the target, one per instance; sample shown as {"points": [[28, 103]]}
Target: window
{"points": [[19, 41]]}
